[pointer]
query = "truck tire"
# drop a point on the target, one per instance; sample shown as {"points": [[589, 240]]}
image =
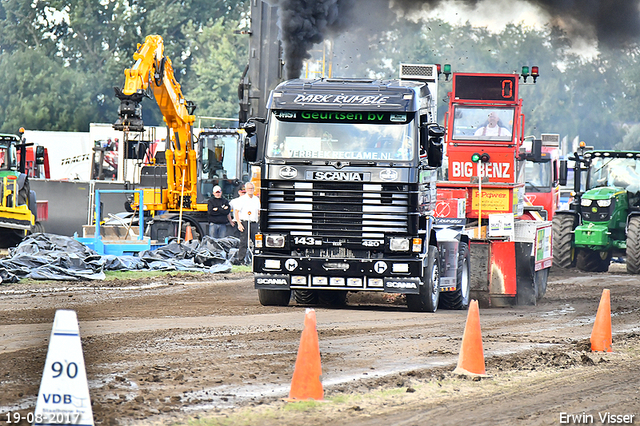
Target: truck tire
{"points": [[633, 245], [540, 281], [274, 297], [305, 297], [332, 297], [564, 255], [459, 299], [427, 300], [589, 260]]}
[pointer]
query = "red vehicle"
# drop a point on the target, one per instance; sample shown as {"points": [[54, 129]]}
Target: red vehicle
{"points": [[485, 181], [541, 174]]}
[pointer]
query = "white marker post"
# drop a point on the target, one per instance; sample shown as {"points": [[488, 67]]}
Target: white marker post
{"points": [[64, 392]]}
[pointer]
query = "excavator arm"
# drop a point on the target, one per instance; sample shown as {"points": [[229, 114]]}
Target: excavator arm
{"points": [[153, 69]]}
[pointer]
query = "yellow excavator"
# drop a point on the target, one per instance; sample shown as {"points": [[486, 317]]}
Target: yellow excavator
{"points": [[153, 70], [177, 187]]}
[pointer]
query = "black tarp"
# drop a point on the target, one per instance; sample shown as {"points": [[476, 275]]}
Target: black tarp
{"points": [[56, 257]]}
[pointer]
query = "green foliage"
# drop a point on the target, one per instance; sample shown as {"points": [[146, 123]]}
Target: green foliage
{"points": [[38, 92], [61, 60], [219, 59], [631, 139]]}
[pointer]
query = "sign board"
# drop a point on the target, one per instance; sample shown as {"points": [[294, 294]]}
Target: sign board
{"points": [[543, 247], [501, 225], [63, 398]]}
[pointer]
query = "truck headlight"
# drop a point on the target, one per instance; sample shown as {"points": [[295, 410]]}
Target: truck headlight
{"points": [[399, 244], [585, 202], [274, 241], [604, 203]]}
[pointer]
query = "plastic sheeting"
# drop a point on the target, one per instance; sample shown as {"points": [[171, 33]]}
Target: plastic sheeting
{"points": [[56, 257]]}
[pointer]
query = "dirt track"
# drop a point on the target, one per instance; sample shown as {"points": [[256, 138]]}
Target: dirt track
{"points": [[174, 348]]}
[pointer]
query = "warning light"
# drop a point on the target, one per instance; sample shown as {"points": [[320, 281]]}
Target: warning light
{"points": [[483, 158], [525, 73], [534, 73], [447, 71], [582, 144]]}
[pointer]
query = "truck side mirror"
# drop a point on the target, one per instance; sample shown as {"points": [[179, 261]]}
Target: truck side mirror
{"points": [[562, 179], [536, 149], [39, 155], [431, 143], [250, 142]]}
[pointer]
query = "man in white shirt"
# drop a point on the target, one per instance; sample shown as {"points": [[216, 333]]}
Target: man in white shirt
{"points": [[246, 210], [492, 128]]}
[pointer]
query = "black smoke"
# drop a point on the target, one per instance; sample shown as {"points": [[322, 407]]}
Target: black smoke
{"points": [[304, 23]]}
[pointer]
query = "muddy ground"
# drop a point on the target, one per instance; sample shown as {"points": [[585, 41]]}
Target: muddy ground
{"points": [[201, 349]]}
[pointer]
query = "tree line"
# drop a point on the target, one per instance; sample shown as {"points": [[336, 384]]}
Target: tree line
{"points": [[61, 59]]}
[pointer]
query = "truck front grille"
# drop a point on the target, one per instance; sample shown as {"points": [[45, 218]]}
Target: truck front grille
{"points": [[353, 211]]}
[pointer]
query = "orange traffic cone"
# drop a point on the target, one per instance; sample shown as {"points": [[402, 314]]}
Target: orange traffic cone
{"points": [[471, 359], [601, 335], [306, 383], [188, 236]]}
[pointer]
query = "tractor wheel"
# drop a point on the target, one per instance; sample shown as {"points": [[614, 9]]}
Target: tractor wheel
{"points": [[459, 299], [564, 255], [37, 228], [274, 297], [332, 297], [633, 245], [306, 297], [593, 261], [427, 300]]}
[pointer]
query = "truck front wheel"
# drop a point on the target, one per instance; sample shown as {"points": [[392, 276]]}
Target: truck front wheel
{"points": [[563, 250], [633, 245], [274, 297], [427, 300]]}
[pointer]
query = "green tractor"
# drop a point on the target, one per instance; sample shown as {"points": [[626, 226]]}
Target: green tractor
{"points": [[603, 220]]}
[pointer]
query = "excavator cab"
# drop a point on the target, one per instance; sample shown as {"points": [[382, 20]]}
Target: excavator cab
{"points": [[221, 163]]}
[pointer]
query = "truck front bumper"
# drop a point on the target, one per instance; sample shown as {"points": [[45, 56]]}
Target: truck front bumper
{"points": [[396, 275]]}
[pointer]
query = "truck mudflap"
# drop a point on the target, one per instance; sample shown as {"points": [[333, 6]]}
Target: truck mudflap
{"points": [[399, 275], [498, 281]]}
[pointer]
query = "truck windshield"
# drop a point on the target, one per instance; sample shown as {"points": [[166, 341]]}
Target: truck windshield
{"points": [[341, 135], [538, 176], [482, 123], [619, 172]]}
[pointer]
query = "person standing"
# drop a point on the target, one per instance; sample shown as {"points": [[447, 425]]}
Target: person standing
{"points": [[246, 211], [219, 214], [234, 231]]}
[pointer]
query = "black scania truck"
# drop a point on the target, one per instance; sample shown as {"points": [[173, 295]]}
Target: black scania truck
{"points": [[348, 173]]}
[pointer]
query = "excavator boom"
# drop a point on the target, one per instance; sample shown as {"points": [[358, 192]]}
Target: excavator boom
{"points": [[153, 70]]}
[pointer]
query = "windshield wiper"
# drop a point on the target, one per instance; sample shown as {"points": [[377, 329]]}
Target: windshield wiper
{"points": [[537, 188]]}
